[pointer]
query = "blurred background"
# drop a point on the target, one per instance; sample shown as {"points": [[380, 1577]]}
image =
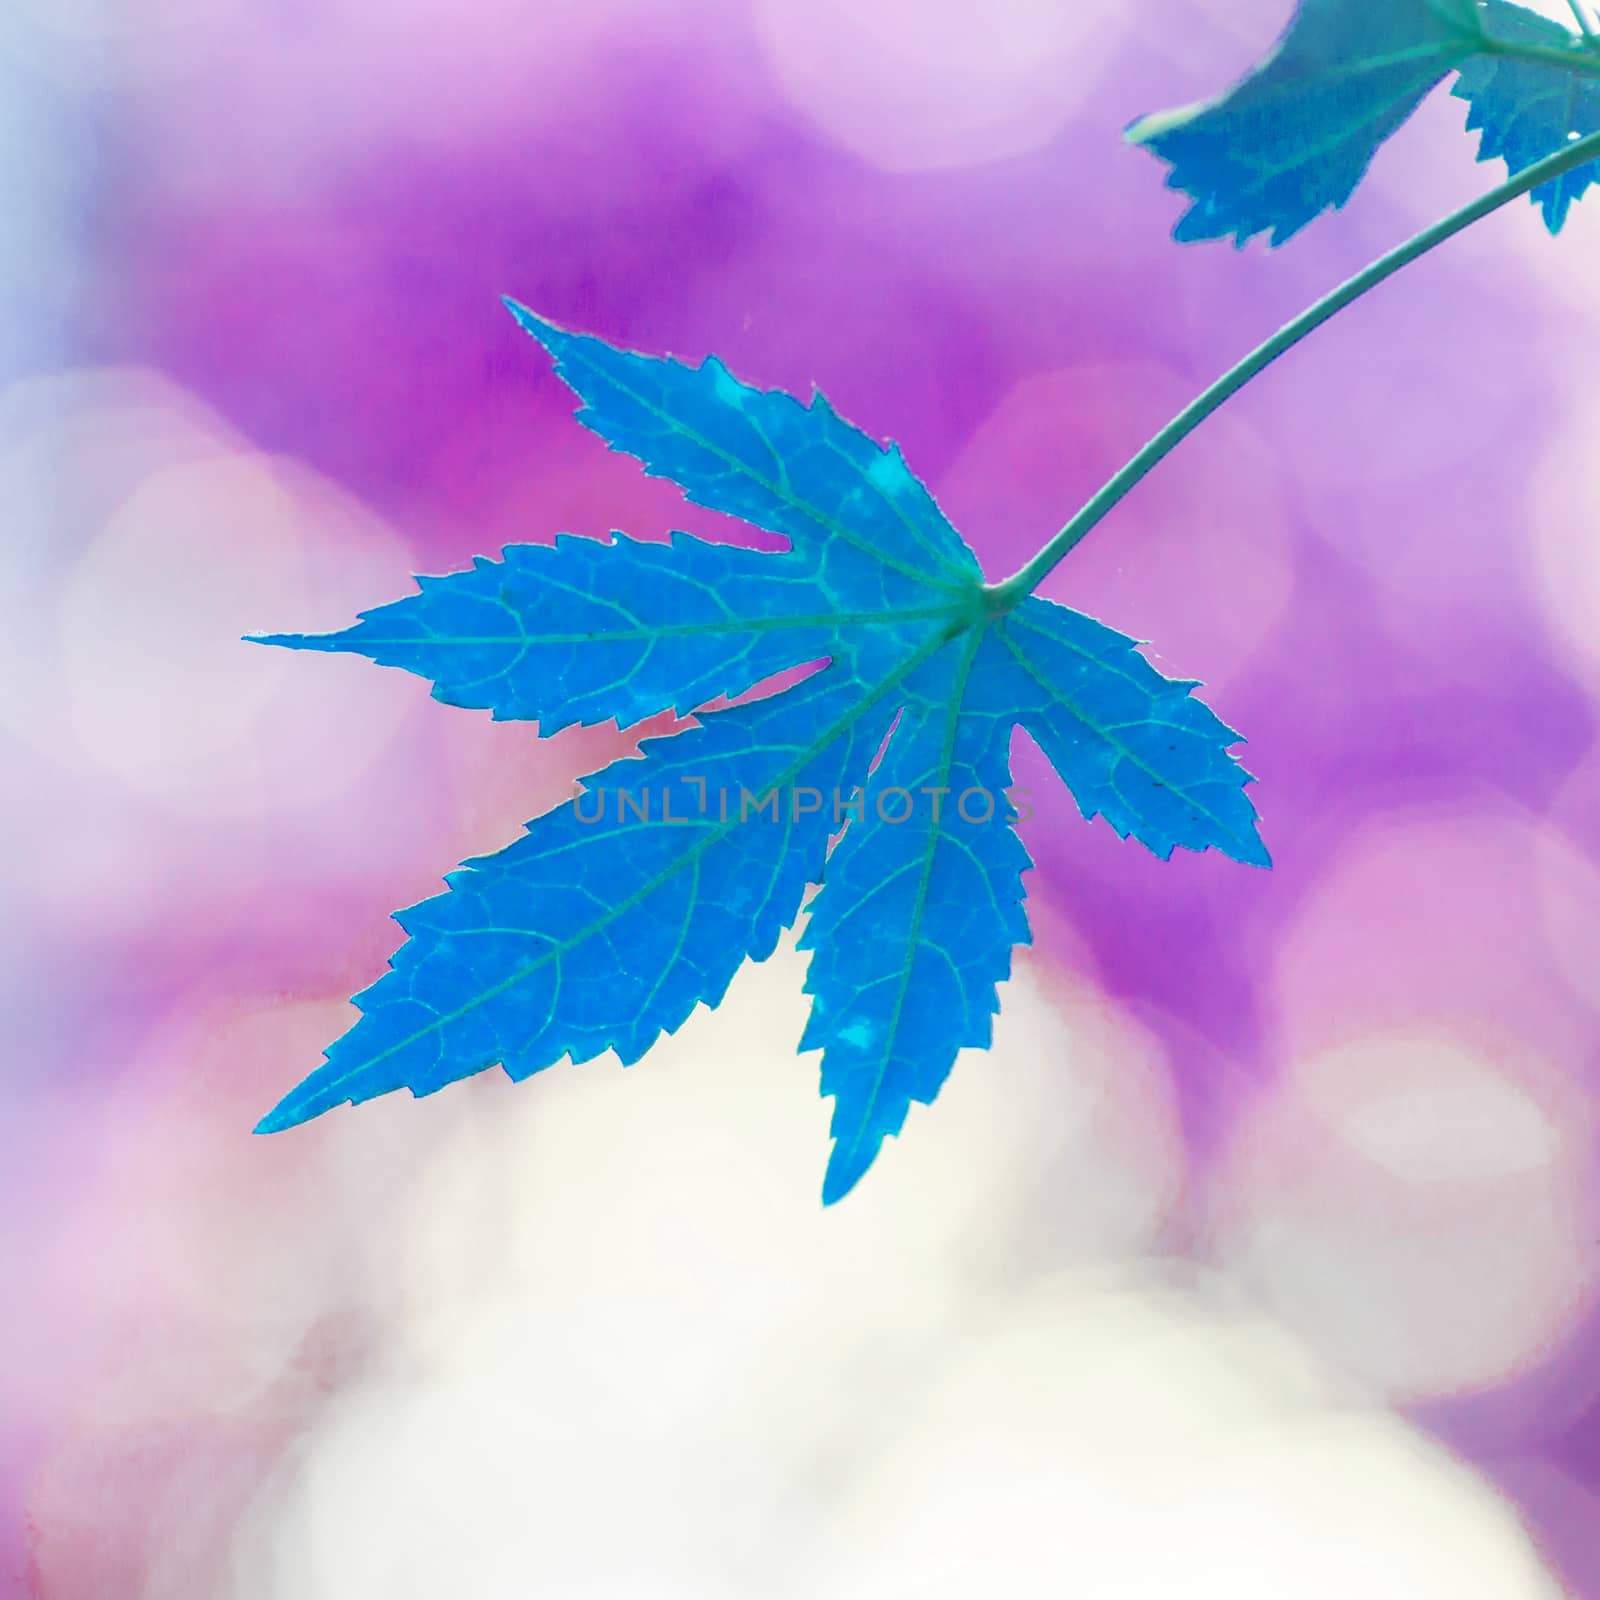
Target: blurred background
{"points": [[1258, 1258]]}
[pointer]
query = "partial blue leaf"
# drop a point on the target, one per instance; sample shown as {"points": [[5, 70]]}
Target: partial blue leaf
{"points": [[847, 504], [1295, 136], [583, 631], [1133, 746], [914, 927], [617, 913], [1528, 110]]}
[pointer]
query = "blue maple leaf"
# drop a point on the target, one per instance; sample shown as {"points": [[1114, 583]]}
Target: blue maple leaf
{"points": [[1297, 134], [881, 774]]}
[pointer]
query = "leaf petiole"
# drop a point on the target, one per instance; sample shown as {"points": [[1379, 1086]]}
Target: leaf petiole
{"points": [[1004, 595], [1574, 57]]}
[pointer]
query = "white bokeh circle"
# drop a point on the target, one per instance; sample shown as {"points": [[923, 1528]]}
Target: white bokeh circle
{"points": [[918, 84], [153, 538], [619, 1309], [1416, 1204]]}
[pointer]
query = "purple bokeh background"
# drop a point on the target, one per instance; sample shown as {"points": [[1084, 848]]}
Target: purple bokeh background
{"points": [[257, 374]]}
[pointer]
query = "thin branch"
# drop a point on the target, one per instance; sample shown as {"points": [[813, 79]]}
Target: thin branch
{"points": [[1028, 578]]}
